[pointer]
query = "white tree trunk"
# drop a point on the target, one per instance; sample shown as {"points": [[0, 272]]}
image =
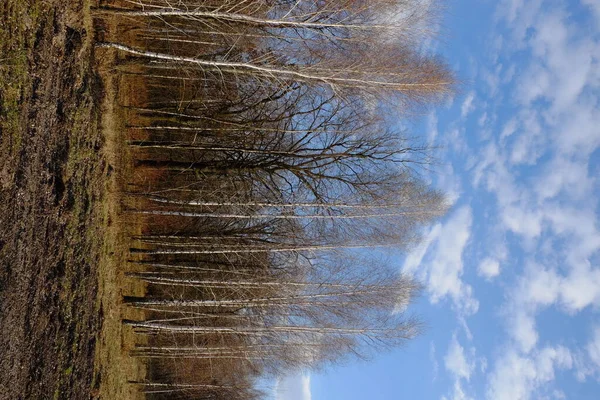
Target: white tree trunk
{"points": [[333, 79], [279, 216], [278, 23], [266, 250]]}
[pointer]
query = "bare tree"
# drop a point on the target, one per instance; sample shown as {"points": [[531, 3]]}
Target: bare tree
{"points": [[265, 170]]}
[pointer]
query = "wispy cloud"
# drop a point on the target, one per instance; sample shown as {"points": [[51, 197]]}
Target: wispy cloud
{"points": [[540, 139], [456, 361], [434, 362], [538, 171], [518, 377], [460, 366], [432, 128], [587, 358], [293, 387], [467, 105], [594, 5], [593, 347], [489, 268], [439, 261]]}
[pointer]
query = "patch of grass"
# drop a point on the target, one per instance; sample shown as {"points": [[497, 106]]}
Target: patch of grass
{"points": [[13, 73], [114, 366]]}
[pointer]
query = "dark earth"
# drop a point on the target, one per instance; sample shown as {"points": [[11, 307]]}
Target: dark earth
{"points": [[52, 176]]}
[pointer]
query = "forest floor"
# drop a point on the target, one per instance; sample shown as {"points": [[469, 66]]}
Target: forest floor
{"points": [[60, 331]]}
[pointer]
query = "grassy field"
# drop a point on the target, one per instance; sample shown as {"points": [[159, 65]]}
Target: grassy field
{"points": [[57, 188]]}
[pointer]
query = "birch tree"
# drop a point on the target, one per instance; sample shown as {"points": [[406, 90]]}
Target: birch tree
{"points": [[265, 170]]}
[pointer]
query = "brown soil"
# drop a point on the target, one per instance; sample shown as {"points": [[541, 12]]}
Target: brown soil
{"points": [[53, 174]]}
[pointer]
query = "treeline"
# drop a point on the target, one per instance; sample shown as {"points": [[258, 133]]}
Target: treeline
{"points": [[266, 160]]}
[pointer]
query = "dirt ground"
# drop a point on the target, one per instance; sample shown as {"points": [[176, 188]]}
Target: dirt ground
{"points": [[57, 288]]}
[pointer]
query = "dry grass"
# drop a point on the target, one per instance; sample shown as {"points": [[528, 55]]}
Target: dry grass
{"points": [[113, 362]]}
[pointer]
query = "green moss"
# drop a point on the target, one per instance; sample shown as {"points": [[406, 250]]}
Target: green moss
{"points": [[17, 35]]}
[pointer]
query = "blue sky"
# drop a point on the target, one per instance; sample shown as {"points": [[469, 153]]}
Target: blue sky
{"points": [[513, 271]]}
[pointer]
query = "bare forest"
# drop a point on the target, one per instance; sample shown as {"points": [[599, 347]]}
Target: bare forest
{"points": [[266, 174], [265, 159]]}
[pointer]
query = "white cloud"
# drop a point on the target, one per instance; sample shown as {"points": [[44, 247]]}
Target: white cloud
{"points": [[483, 119], [434, 364], [517, 377], [537, 169], [553, 209], [520, 15], [432, 127], [593, 347], [581, 289], [489, 268], [540, 288], [460, 366], [561, 73], [551, 358], [509, 128], [522, 220], [516, 210], [488, 157], [293, 387], [458, 393], [522, 329], [454, 140], [587, 360], [578, 134], [492, 78], [512, 378], [456, 362], [446, 267], [449, 183], [439, 261], [483, 364], [568, 61], [533, 84], [564, 176], [413, 261], [594, 5], [509, 74], [559, 394], [462, 322], [467, 105]]}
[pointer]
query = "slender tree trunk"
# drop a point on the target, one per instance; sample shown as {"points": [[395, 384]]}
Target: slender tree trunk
{"points": [[260, 331], [285, 205], [279, 216], [267, 301], [260, 250], [250, 284], [333, 79], [278, 23]]}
